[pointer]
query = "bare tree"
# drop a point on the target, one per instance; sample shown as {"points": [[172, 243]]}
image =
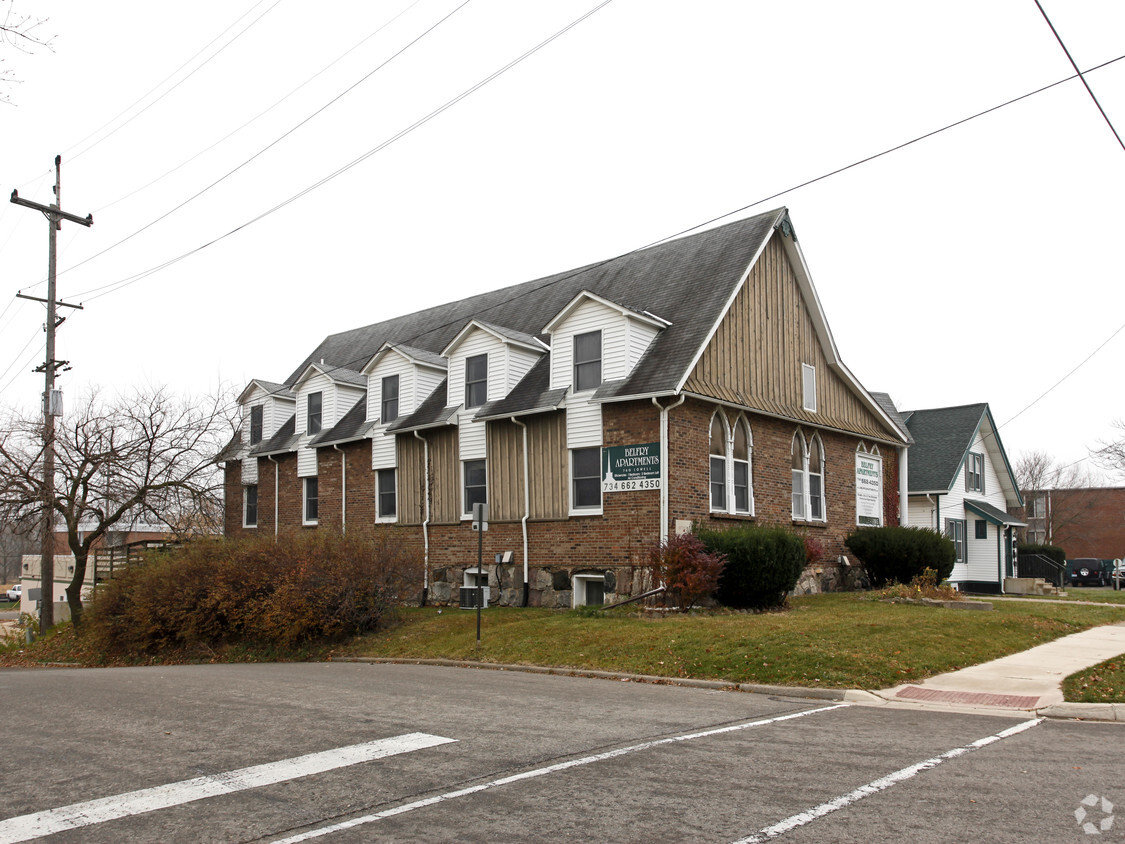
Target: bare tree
{"points": [[1111, 455], [148, 456], [18, 32], [1057, 497], [13, 545]]}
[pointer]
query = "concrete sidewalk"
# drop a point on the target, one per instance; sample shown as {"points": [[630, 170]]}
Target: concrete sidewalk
{"points": [[1027, 681]]}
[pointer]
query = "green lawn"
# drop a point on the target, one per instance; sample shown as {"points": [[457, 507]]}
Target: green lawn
{"points": [[1104, 683], [838, 640]]}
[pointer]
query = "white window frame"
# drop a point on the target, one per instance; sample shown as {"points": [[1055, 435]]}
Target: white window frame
{"points": [[578, 592], [575, 363], [953, 527], [305, 520], [803, 497], [808, 387], [259, 411], [319, 396], [379, 515], [974, 469], [728, 461], [476, 382], [466, 507], [246, 523], [587, 510], [384, 417]]}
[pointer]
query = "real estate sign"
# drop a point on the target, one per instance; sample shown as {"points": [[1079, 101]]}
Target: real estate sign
{"points": [[631, 467], [868, 489]]}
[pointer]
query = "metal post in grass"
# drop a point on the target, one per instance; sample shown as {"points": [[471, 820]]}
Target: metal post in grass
{"points": [[480, 525]]}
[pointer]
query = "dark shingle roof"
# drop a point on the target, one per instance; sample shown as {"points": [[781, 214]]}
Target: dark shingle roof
{"points": [[942, 436], [887, 404], [531, 395], [284, 440], [689, 280], [430, 413]]}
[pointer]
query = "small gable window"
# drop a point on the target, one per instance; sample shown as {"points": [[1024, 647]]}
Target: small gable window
{"points": [[255, 424], [974, 473], [587, 361], [314, 413], [808, 387], [476, 381], [388, 410]]}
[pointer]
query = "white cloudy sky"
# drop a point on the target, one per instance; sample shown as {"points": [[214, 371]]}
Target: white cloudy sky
{"points": [[981, 264]]}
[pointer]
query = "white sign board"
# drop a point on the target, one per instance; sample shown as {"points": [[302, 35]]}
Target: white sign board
{"points": [[868, 489]]}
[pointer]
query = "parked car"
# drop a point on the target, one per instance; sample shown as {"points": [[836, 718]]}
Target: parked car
{"points": [[1089, 571], [15, 592]]}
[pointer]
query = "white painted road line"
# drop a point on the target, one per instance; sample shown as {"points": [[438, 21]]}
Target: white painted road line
{"points": [[77, 815], [878, 785], [540, 772]]}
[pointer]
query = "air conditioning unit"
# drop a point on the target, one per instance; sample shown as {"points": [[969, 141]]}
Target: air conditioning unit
{"points": [[469, 597]]}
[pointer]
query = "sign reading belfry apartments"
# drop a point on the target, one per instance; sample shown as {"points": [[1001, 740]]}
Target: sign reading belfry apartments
{"points": [[868, 489], [630, 467]]}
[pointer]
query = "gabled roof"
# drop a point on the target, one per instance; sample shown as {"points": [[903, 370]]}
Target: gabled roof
{"points": [[285, 440], [942, 439], [431, 413], [689, 280], [418, 357], [501, 333], [276, 390], [586, 295], [353, 425], [531, 395], [336, 374], [887, 404]]}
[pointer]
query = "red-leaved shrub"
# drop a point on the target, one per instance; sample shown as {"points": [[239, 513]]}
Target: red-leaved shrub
{"points": [[689, 572]]}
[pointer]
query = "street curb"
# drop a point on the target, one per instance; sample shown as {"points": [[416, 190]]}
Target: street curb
{"points": [[1057, 711]]}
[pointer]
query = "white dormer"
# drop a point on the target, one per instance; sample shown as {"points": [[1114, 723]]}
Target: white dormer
{"points": [[399, 379], [264, 407], [594, 340], [324, 394], [486, 362]]}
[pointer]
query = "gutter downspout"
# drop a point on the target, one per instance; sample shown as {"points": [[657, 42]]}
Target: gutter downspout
{"points": [[276, 470], [343, 488], [934, 510], [903, 486], [664, 497], [526, 508], [426, 520]]}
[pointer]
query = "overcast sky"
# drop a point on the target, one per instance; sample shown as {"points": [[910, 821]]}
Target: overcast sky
{"points": [[982, 264]]}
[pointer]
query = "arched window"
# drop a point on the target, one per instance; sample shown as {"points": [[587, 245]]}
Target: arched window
{"points": [[799, 476], [807, 466], [816, 480], [718, 463], [740, 458]]}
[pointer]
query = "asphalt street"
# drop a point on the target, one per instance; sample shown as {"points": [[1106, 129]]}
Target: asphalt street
{"points": [[346, 752]]}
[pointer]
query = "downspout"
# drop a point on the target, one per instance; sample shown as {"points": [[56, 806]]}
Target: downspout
{"points": [[933, 511], [426, 520], [343, 489], [664, 497], [903, 487], [526, 508], [276, 470]]}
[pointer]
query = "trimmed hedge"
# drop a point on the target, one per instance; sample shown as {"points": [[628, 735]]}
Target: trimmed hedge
{"points": [[293, 590], [895, 554], [763, 564], [1053, 552]]}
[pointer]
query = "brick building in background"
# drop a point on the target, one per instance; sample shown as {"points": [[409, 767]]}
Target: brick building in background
{"points": [[1084, 521], [594, 411]]}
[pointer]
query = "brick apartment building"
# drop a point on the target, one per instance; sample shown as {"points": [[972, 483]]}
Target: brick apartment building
{"points": [[594, 411], [1085, 522]]}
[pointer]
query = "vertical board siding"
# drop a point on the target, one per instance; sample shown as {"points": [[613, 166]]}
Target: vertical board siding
{"points": [[583, 424], [547, 464], [411, 478], [759, 346], [445, 473], [505, 471]]}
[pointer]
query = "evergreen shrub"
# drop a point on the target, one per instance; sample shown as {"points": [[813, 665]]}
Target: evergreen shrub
{"points": [[895, 554], [763, 564], [1052, 552]]}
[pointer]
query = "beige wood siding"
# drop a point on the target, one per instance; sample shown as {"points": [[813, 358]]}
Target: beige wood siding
{"points": [[755, 357], [411, 479], [548, 465], [445, 477], [505, 471]]}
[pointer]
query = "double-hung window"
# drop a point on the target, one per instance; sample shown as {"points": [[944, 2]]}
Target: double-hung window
{"points": [[741, 464], [315, 403], [250, 506], [476, 485], [586, 482], [955, 530], [807, 466], [385, 494], [729, 461], [388, 410], [255, 424], [718, 463], [476, 380], [311, 502], [974, 473], [587, 361]]}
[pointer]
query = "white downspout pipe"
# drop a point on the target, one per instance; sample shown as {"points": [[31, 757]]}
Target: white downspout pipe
{"points": [[664, 496], [526, 508], [426, 520], [343, 489], [903, 486], [276, 470]]}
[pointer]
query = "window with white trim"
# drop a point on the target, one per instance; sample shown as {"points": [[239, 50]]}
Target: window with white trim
{"points": [[587, 361], [729, 465], [955, 530], [475, 476], [476, 381], [808, 387], [250, 506], [974, 473], [718, 463], [740, 460], [586, 480], [388, 408], [807, 465], [589, 590], [385, 503], [255, 424], [311, 504], [315, 404]]}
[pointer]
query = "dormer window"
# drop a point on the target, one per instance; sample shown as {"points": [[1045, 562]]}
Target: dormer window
{"points": [[314, 413], [476, 381], [389, 408], [255, 424], [587, 361]]}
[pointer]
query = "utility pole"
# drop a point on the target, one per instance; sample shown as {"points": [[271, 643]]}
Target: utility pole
{"points": [[52, 404]]}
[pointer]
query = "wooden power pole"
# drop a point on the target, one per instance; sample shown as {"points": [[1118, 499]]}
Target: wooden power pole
{"points": [[52, 401]]}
